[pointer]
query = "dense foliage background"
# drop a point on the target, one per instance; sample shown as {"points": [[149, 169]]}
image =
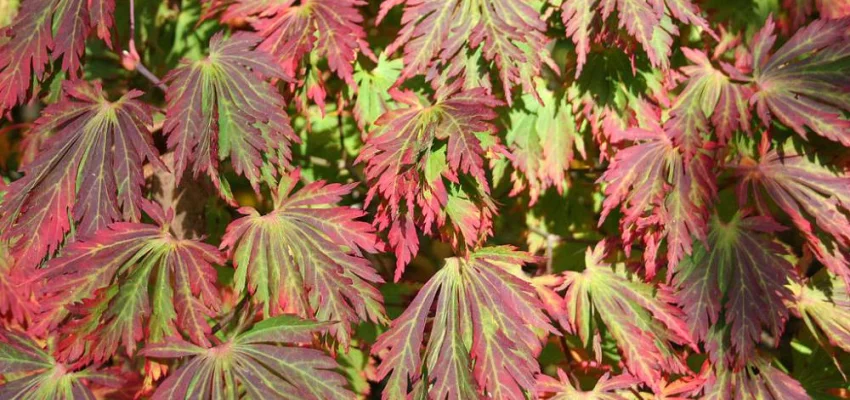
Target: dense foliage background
{"points": [[335, 199]]}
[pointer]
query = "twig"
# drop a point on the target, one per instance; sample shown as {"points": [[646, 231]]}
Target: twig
{"points": [[131, 58], [226, 320]]}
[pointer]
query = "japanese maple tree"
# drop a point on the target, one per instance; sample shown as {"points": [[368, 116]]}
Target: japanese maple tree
{"points": [[425, 199]]}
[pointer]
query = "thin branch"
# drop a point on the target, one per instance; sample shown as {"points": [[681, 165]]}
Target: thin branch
{"points": [[131, 58]]}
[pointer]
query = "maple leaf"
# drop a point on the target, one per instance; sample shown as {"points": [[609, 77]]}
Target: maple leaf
{"points": [[824, 303], [372, 98], [59, 27], [43, 377], [709, 93], [484, 334], [741, 265], [220, 106], [543, 139], [639, 318], [304, 257], [92, 167], [508, 33], [408, 154], [260, 361], [14, 290], [661, 192], [605, 389], [757, 381], [803, 188], [800, 10], [804, 84], [648, 21], [128, 282], [321, 28]]}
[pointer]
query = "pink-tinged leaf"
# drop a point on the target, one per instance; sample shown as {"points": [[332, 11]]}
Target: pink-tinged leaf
{"points": [[261, 361], [757, 381], [442, 34], [326, 28], [91, 167], [639, 317], [747, 269], [607, 388], [413, 151], [34, 374], [642, 19], [57, 27], [111, 273], [661, 192], [804, 84], [484, 337], [305, 257], [709, 95], [15, 292], [221, 107], [804, 189], [824, 305]]}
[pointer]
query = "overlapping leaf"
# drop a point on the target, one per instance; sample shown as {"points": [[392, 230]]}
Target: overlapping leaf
{"points": [[440, 39], [804, 189], [757, 381], [409, 153], [372, 98], [90, 168], [824, 304], [607, 388], [259, 361], [661, 192], [313, 28], [57, 27], [804, 84], [639, 318], [126, 283], [543, 140], [710, 95], [740, 274], [484, 334], [305, 257], [221, 107], [648, 21], [43, 377]]}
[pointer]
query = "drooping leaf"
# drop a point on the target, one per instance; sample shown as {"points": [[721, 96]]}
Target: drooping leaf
{"points": [[57, 27], [648, 21], [607, 388], [43, 377], [305, 257], [804, 84], [126, 283], [221, 107], [445, 38], [804, 189], [412, 150], [484, 334], [740, 274], [89, 172], [261, 361], [639, 318]]}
